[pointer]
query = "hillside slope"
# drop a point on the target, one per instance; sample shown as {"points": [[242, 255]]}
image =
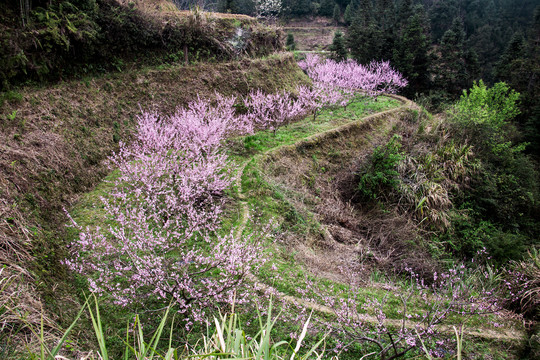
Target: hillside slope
{"points": [[55, 40], [54, 141], [308, 186]]}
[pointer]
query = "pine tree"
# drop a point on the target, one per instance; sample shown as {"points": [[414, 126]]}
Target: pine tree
{"points": [[455, 67], [327, 8], [339, 52], [441, 15], [347, 15], [290, 45], [364, 36], [365, 12], [515, 51], [405, 12], [364, 41], [337, 14], [411, 54], [385, 14]]}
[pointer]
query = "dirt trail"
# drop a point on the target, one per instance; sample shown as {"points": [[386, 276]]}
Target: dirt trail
{"points": [[483, 333]]}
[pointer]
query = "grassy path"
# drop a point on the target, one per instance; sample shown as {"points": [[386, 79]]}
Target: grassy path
{"points": [[482, 333]]}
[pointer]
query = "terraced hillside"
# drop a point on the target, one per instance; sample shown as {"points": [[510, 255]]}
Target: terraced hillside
{"points": [[312, 35], [54, 141]]}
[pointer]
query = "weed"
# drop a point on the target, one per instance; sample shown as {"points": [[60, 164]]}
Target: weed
{"points": [[11, 117]]}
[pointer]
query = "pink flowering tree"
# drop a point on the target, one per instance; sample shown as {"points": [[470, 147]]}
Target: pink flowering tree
{"points": [[314, 98], [350, 77], [270, 111], [163, 214], [421, 309]]}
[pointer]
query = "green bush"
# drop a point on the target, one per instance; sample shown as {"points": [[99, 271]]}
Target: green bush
{"points": [[502, 198], [381, 175], [290, 44]]}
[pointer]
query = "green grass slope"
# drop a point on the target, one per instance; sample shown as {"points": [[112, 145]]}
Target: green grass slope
{"points": [[53, 142]]}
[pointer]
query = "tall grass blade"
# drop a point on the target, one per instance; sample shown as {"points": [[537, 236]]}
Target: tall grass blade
{"points": [[56, 350], [428, 355], [302, 336], [219, 333], [459, 342], [98, 329]]}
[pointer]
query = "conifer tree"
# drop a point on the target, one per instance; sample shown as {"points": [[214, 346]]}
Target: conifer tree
{"points": [[364, 36], [456, 67], [327, 8], [515, 51], [385, 14], [339, 52], [347, 15], [365, 12], [411, 54], [403, 15], [290, 43], [337, 14], [441, 15], [364, 41]]}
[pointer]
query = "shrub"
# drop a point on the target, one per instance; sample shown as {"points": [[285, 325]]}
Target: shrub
{"points": [[381, 174], [289, 43]]}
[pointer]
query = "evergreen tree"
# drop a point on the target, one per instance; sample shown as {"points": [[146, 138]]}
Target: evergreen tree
{"points": [[365, 12], [337, 14], [364, 41], [519, 66], [348, 14], [411, 54], [515, 52], [385, 14], [404, 14], [339, 52], [290, 45], [441, 14], [386, 21], [455, 67], [364, 36], [327, 8]]}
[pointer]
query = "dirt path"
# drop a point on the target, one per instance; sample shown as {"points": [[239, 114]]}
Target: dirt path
{"points": [[483, 333]]}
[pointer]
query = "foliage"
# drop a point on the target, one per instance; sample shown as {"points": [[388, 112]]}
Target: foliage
{"points": [[502, 203], [381, 174], [290, 45], [408, 310], [163, 215], [339, 52], [66, 38], [495, 106], [507, 190], [430, 177], [522, 281], [228, 340]]}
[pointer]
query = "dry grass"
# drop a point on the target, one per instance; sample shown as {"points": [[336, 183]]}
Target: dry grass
{"points": [[52, 151], [317, 176], [165, 8], [312, 35]]}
